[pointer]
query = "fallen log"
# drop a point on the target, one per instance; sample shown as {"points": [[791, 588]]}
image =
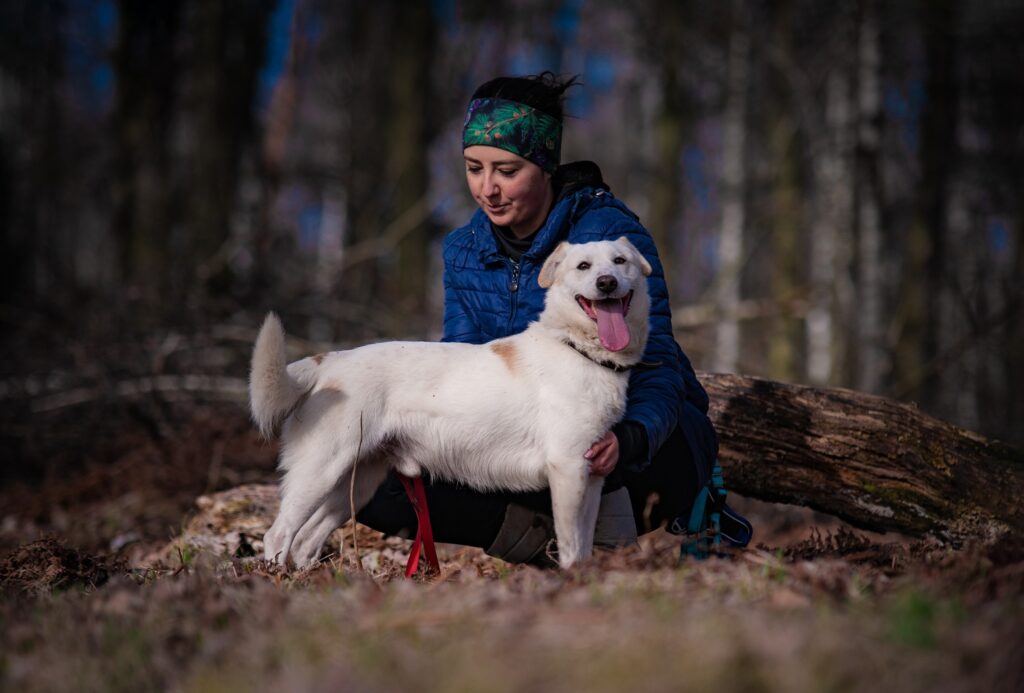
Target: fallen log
{"points": [[874, 462]]}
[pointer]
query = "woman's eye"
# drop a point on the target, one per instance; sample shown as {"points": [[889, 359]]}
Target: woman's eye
{"points": [[507, 173], [583, 266], [619, 260], [473, 169]]}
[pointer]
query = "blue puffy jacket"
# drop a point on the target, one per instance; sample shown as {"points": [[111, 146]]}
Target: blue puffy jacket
{"points": [[488, 296]]}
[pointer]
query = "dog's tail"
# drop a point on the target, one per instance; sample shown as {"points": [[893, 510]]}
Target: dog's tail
{"points": [[273, 393]]}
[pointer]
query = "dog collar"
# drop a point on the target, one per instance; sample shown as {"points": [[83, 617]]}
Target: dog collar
{"points": [[640, 365], [610, 365]]}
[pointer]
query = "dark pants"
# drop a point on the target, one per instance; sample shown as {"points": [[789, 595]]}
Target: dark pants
{"points": [[461, 515]]}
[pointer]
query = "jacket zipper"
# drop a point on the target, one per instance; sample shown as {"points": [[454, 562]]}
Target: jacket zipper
{"points": [[513, 292]]}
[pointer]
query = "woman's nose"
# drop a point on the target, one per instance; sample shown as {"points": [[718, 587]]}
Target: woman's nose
{"points": [[489, 187]]}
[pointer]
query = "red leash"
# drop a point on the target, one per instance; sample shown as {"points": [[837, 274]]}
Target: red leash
{"points": [[424, 532]]}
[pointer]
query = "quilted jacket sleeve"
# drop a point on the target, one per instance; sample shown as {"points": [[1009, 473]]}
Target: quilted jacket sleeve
{"points": [[657, 394]]}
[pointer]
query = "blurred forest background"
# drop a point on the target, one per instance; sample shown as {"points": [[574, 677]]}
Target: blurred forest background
{"points": [[835, 187]]}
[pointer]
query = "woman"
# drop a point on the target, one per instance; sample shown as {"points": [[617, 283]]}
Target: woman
{"points": [[657, 459]]}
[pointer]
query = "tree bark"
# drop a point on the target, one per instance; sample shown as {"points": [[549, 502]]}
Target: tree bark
{"points": [[873, 462]]}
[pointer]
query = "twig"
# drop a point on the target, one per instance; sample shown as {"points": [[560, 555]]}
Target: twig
{"points": [[383, 243], [352, 494], [699, 314]]}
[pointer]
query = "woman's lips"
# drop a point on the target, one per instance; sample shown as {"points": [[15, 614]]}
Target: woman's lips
{"points": [[496, 209]]}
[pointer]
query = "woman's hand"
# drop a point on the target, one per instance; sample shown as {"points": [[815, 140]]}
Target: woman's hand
{"points": [[603, 455]]}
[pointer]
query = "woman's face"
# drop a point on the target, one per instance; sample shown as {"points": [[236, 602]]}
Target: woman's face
{"points": [[512, 191]]}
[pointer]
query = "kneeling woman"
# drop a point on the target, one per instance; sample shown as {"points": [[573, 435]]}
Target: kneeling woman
{"points": [[659, 456]]}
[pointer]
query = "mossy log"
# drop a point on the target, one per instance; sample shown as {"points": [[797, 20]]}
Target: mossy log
{"points": [[873, 462]]}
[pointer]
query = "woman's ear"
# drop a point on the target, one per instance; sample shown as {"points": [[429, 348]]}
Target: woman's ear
{"points": [[547, 272]]}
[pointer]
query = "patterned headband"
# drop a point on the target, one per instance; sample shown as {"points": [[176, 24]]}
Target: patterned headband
{"points": [[514, 127]]}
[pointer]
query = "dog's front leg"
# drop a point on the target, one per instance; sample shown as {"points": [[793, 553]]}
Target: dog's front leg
{"points": [[590, 509], [568, 482]]}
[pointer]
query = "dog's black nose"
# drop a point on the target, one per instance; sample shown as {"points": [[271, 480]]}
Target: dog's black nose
{"points": [[607, 283]]}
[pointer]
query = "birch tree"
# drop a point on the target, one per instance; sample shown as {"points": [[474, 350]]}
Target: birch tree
{"points": [[833, 202], [730, 245]]}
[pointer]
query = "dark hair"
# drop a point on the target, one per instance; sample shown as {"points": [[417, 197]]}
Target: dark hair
{"points": [[545, 92]]}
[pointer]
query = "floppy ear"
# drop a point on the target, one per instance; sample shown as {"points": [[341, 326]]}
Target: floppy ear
{"points": [[547, 272], [645, 266]]}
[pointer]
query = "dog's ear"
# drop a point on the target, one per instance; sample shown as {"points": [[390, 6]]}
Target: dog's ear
{"points": [[547, 272], [645, 266]]}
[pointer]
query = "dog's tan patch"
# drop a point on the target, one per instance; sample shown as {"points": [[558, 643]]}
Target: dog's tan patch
{"points": [[319, 358], [508, 353]]}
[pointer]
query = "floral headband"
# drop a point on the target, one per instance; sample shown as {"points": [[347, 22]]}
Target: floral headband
{"points": [[514, 127]]}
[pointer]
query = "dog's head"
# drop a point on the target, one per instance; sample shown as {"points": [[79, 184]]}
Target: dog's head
{"points": [[597, 293]]}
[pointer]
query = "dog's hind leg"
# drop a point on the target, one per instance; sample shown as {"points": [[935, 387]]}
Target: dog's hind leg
{"points": [[302, 492], [313, 475], [335, 510], [568, 482]]}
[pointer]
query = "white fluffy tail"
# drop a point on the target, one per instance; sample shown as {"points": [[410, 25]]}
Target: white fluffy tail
{"points": [[272, 392]]}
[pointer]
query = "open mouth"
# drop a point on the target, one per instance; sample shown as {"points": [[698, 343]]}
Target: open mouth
{"points": [[587, 304], [610, 316]]}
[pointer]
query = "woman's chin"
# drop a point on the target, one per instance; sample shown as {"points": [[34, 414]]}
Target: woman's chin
{"points": [[501, 214]]}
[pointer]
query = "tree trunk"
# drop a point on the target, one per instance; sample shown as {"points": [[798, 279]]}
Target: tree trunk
{"points": [[871, 461], [871, 353], [833, 203], [786, 204], [227, 52], [730, 244], [147, 68], [660, 22], [408, 131], [924, 254]]}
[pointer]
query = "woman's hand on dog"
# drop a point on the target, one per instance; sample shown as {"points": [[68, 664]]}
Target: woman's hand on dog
{"points": [[603, 455]]}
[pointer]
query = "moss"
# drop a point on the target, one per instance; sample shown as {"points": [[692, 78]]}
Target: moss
{"points": [[902, 499]]}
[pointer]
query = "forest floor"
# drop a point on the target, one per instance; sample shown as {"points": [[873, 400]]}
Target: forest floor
{"points": [[101, 590]]}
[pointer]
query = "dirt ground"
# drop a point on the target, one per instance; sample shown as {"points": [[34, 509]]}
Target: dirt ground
{"points": [[106, 587]]}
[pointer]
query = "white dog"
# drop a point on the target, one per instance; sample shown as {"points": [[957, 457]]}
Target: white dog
{"points": [[517, 413]]}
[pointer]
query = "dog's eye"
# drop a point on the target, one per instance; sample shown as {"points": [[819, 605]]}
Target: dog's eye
{"points": [[583, 266], [619, 260]]}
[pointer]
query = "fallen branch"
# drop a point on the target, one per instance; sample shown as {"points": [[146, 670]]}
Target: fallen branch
{"points": [[169, 386]]}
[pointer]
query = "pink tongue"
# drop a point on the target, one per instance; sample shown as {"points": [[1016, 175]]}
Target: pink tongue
{"points": [[611, 325]]}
